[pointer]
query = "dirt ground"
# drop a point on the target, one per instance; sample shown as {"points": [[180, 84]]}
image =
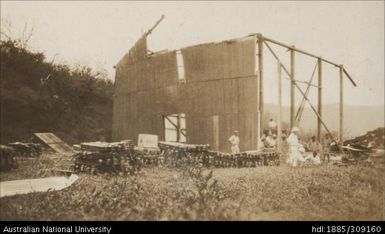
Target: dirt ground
{"points": [[326, 192]]}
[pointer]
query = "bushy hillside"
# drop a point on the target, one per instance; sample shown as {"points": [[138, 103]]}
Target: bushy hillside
{"points": [[38, 96]]}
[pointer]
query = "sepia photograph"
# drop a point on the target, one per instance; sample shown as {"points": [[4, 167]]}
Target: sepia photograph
{"points": [[191, 111]]}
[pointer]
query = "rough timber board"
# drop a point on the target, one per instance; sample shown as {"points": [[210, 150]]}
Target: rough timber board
{"points": [[10, 188], [54, 142]]}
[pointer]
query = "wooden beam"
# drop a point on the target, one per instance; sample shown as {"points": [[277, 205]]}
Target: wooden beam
{"points": [[260, 76], [164, 127], [301, 107], [341, 104], [183, 131], [350, 78], [319, 129], [315, 111], [292, 88], [258, 117], [300, 90], [153, 27], [277, 58], [309, 54], [279, 117], [172, 123], [299, 51], [178, 128], [305, 82]]}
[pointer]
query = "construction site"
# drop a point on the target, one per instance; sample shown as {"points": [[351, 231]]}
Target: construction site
{"points": [[201, 93], [191, 140]]}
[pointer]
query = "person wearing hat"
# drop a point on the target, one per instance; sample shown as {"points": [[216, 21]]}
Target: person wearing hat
{"points": [[272, 125], [234, 141], [295, 156]]}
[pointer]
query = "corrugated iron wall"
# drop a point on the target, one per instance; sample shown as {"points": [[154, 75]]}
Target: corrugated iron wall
{"points": [[219, 96]]}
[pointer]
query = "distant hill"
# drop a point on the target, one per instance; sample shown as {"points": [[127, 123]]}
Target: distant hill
{"points": [[357, 119]]}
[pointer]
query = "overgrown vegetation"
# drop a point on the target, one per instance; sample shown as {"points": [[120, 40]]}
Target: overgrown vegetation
{"points": [[40, 96], [265, 193]]}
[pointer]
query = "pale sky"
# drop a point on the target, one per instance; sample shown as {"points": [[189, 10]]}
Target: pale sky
{"points": [[98, 34]]}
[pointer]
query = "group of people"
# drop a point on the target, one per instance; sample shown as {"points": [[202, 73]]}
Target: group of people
{"points": [[296, 152], [316, 151], [268, 140]]}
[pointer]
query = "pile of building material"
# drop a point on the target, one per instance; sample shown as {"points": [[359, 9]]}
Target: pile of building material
{"points": [[184, 147], [106, 147], [365, 146], [10, 152], [94, 157], [246, 159], [26, 149], [147, 151], [178, 154], [371, 140], [361, 149], [100, 157], [7, 158], [148, 156]]}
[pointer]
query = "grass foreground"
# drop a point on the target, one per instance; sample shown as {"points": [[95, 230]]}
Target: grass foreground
{"points": [[327, 192]]}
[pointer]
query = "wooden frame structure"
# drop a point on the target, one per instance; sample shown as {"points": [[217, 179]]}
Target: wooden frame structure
{"points": [[294, 118]]}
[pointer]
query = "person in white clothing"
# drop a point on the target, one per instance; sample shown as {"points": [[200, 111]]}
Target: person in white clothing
{"points": [[272, 126], [234, 141], [295, 148]]}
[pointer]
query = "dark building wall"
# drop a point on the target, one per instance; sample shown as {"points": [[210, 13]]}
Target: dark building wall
{"points": [[219, 96]]}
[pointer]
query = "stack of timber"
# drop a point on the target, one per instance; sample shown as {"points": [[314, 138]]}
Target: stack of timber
{"points": [[244, 159], [180, 154], [99, 146], [103, 157], [148, 156], [97, 157], [177, 155]]}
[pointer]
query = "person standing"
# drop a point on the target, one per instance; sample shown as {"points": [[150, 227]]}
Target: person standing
{"points": [[234, 141], [272, 126], [326, 147], [295, 148]]}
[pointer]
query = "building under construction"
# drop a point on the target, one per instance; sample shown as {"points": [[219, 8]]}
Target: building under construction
{"points": [[200, 94]]}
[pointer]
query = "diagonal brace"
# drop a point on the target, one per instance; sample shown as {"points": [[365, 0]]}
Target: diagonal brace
{"points": [[302, 106], [300, 90]]}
